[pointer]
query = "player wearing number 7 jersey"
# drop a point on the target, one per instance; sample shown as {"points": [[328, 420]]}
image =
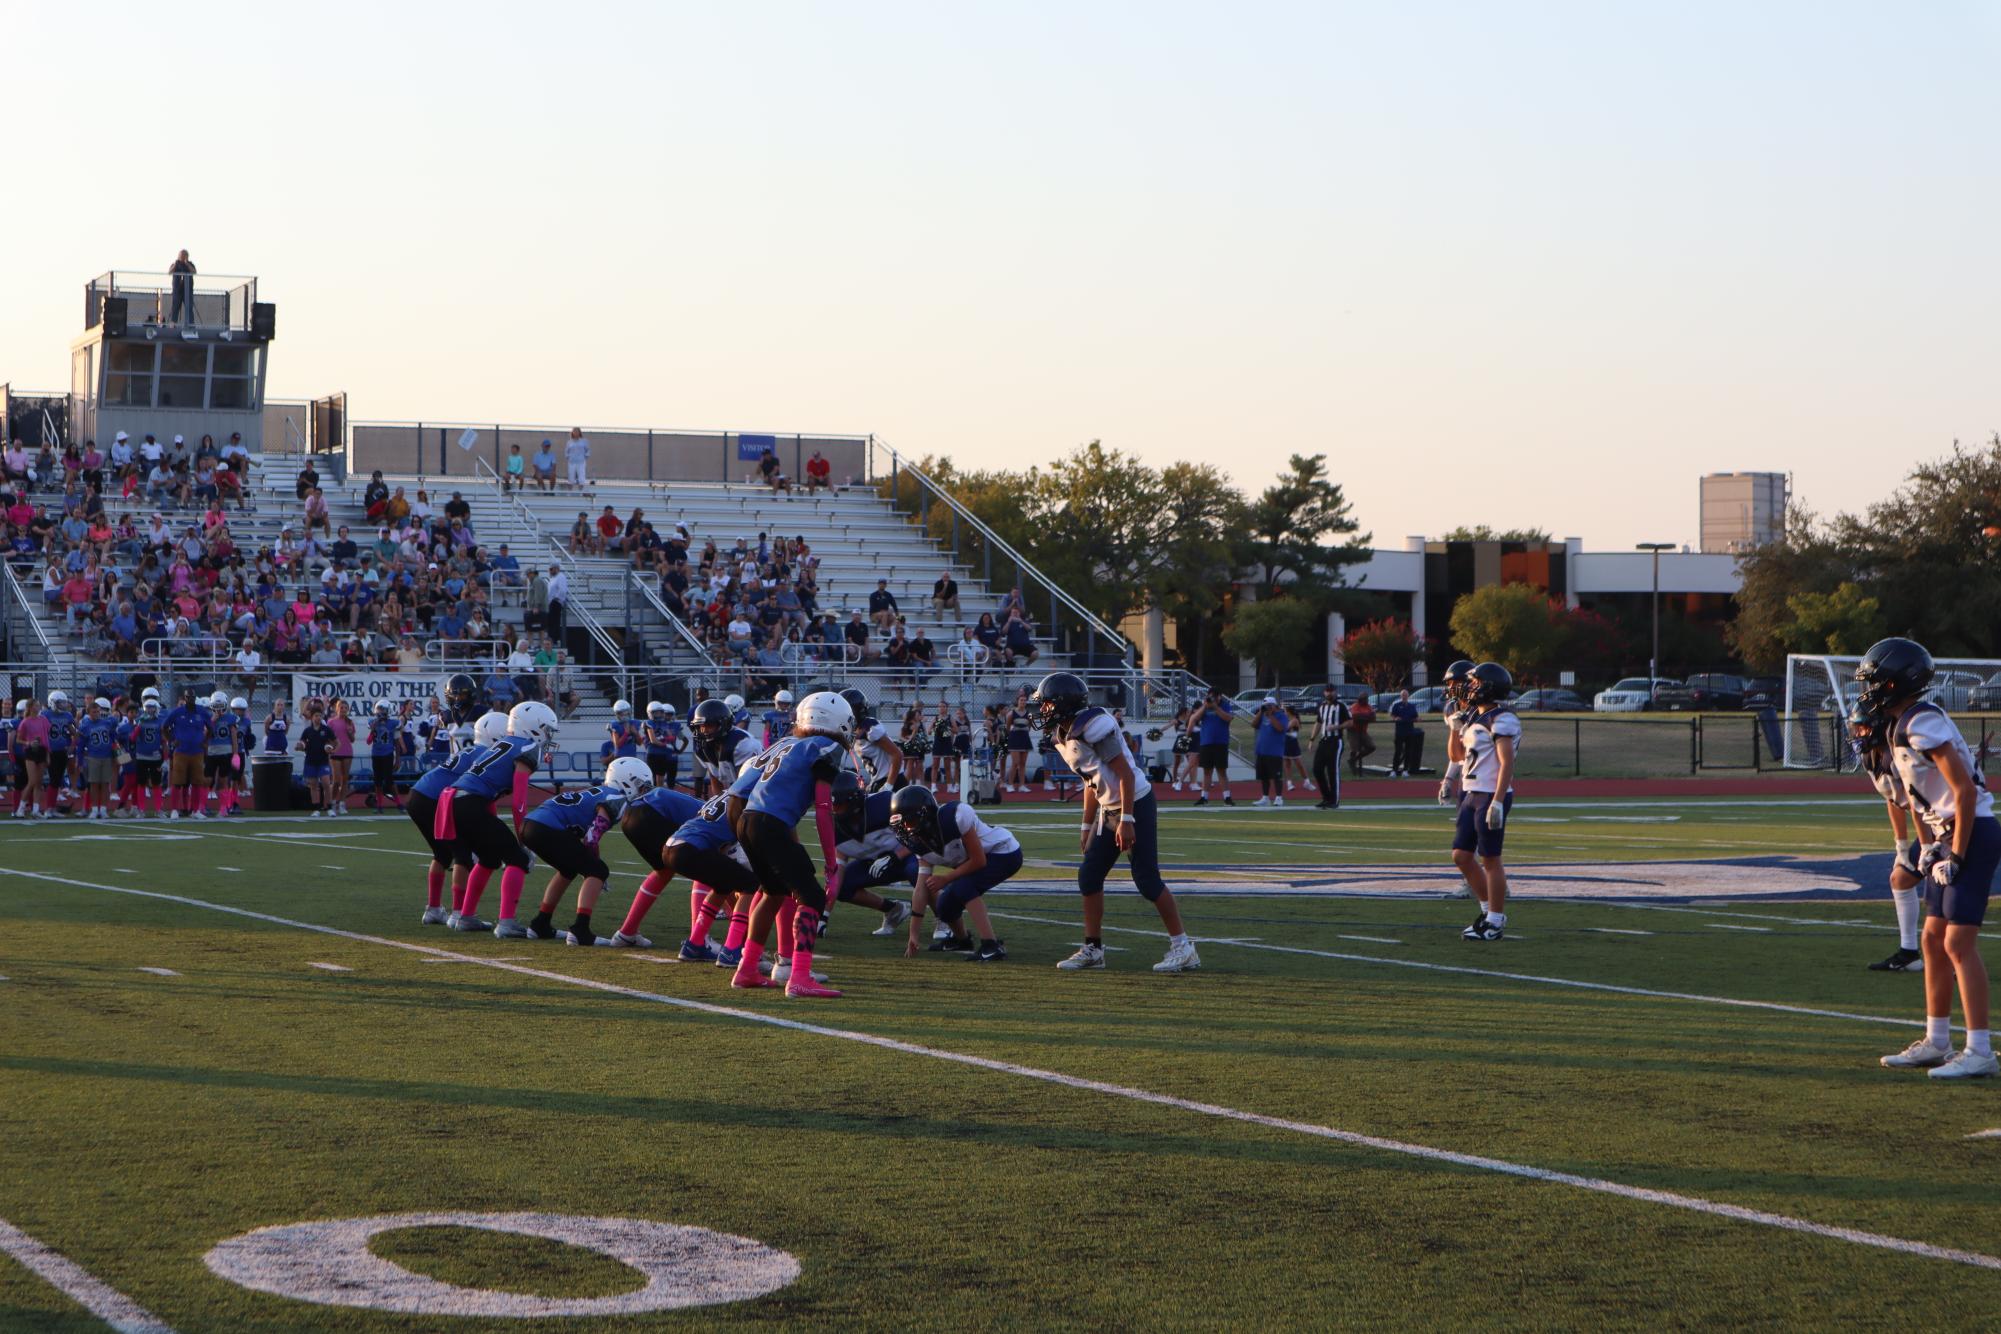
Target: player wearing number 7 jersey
{"points": [[1962, 850]]}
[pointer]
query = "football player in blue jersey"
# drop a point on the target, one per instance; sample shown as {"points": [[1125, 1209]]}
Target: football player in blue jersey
{"points": [[962, 857], [791, 778], [385, 748], [871, 854], [564, 831], [1120, 818], [448, 856], [664, 743], [62, 738], [1962, 852], [778, 718], [648, 824], [97, 744], [624, 732], [466, 814]]}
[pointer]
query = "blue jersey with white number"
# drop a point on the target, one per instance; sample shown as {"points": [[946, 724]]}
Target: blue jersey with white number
{"points": [[708, 829], [624, 738], [677, 807], [662, 739], [491, 772], [222, 733], [434, 783], [577, 811], [97, 738], [788, 774], [145, 737], [384, 737], [62, 729]]}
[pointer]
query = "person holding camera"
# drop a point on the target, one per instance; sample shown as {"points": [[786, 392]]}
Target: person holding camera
{"points": [[1211, 721], [1274, 725]]}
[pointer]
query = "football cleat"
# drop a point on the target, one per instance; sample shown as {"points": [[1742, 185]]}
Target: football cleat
{"points": [[542, 931], [749, 979], [814, 990], [1483, 930], [631, 942], [1180, 958], [579, 934], [433, 917], [729, 958], [782, 972], [993, 953], [1920, 1055], [1903, 961], [1473, 932], [1967, 1065], [509, 929], [467, 922], [954, 945], [693, 953], [1087, 956], [893, 920]]}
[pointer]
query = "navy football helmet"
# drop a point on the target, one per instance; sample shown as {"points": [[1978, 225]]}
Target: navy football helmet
{"points": [[1059, 697], [1894, 670], [913, 815], [1489, 683]]}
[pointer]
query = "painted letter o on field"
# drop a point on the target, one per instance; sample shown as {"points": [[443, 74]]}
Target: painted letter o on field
{"points": [[329, 1263]]}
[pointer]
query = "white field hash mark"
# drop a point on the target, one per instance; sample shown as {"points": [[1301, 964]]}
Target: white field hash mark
{"points": [[331, 967], [160, 972], [108, 1304], [1355, 1139]]}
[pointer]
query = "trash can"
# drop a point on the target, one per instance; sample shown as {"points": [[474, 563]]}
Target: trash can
{"points": [[271, 782], [1413, 752]]}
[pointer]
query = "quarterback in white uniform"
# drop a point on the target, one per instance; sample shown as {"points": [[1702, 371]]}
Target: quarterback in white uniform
{"points": [[1489, 732]]}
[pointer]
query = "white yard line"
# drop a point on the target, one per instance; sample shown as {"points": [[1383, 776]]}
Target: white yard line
{"points": [[1731, 926], [63, 1274], [160, 972], [1372, 940], [331, 967], [1617, 931], [1354, 1139], [1714, 912]]}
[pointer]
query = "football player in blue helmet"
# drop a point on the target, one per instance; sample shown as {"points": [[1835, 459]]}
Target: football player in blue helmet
{"points": [[1120, 818]]}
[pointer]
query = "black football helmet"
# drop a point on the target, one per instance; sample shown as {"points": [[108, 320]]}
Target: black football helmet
{"points": [[1867, 726], [1489, 683], [864, 714], [1457, 677], [461, 695], [1894, 670], [1058, 698], [913, 815], [711, 721], [849, 804]]}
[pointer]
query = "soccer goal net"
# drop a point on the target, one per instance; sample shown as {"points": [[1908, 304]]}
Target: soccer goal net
{"points": [[1820, 687]]}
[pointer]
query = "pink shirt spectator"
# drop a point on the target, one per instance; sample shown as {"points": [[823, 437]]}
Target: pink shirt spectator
{"points": [[32, 732], [343, 730]]}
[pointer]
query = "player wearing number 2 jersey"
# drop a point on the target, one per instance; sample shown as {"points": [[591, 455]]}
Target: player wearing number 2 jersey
{"points": [[1490, 733], [1962, 841]]}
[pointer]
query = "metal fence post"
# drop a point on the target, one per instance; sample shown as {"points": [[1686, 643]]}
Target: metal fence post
{"points": [[1695, 743], [649, 453], [1757, 749], [1577, 748]]}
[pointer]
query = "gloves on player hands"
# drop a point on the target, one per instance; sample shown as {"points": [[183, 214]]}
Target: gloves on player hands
{"points": [[1448, 787], [1497, 814], [1946, 869], [1907, 856], [879, 868], [1928, 857]]}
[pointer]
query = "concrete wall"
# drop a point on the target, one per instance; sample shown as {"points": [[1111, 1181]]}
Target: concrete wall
{"points": [[665, 456]]}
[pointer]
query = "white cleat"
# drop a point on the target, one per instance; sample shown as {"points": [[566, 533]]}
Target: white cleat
{"points": [[1967, 1065], [201, 815], [1087, 956], [1920, 1055], [1262, 801], [620, 940], [433, 917], [941, 932], [1180, 958], [173, 815], [783, 973], [509, 929], [1278, 801], [467, 922], [893, 920]]}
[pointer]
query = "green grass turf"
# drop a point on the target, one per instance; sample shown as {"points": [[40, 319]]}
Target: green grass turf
{"points": [[146, 1118]]}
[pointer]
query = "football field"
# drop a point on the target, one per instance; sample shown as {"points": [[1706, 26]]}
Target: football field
{"points": [[1656, 1103]]}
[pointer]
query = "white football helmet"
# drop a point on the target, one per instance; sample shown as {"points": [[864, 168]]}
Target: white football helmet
{"points": [[734, 703], [828, 714], [150, 706], [783, 699], [532, 718], [218, 700], [58, 698], [629, 777], [102, 702], [382, 708], [239, 703], [622, 709], [657, 710], [490, 728], [150, 692]]}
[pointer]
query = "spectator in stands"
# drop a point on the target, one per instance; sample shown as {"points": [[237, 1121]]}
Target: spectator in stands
{"points": [[317, 515], [1013, 603], [458, 509], [583, 536], [375, 497], [17, 464], [562, 689], [180, 457], [420, 511], [235, 455], [609, 529], [1021, 640], [922, 654], [92, 465], [160, 486], [514, 476], [857, 635], [945, 596], [577, 454], [739, 635], [345, 553], [968, 653], [769, 469], [505, 570], [249, 666], [123, 460], [397, 510], [409, 657], [882, 608], [545, 467], [819, 472], [559, 597], [181, 278]]}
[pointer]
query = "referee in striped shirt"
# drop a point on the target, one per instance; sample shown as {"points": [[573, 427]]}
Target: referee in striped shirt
{"points": [[1331, 723]]}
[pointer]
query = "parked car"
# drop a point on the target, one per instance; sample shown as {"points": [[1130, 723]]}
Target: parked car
{"points": [[1632, 694], [1764, 692], [1431, 699], [1953, 690], [1549, 701], [1986, 697], [1704, 690]]}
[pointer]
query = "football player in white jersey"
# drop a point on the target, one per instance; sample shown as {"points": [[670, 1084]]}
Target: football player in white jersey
{"points": [[1868, 730], [1490, 733], [721, 747], [1119, 817], [1454, 686], [878, 759], [1962, 849], [962, 857]]}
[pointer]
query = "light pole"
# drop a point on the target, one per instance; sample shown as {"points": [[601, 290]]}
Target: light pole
{"points": [[1654, 662]]}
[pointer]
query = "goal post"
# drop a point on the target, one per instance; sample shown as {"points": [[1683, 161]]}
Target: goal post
{"points": [[1821, 686]]}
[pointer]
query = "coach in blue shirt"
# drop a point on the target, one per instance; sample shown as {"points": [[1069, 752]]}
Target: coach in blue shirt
{"points": [[1212, 745], [1273, 725], [1404, 714]]}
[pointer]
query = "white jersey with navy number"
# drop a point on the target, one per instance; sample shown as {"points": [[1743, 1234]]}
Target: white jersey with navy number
{"points": [[870, 756], [1481, 734], [1924, 730], [957, 820], [736, 750], [1089, 745]]}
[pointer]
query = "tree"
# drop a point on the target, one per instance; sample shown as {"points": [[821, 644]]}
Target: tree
{"points": [[1516, 625], [1480, 532], [1591, 644], [1383, 653], [1274, 631], [1806, 559], [1288, 530], [1844, 621]]}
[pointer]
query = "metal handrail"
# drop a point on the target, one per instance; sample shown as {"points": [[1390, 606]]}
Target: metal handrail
{"points": [[18, 595], [652, 598], [576, 606], [1111, 636]]}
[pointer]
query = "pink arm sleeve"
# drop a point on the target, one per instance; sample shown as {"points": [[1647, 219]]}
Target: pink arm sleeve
{"points": [[519, 804]]}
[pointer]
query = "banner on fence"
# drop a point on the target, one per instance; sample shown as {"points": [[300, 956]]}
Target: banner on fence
{"points": [[750, 448], [362, 689]]}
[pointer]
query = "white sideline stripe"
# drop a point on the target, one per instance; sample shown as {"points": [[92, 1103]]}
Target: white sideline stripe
{"points": [[229, 868], [160, 972], [1598, 1185], [1617, 931], [105, 1302], [1731, 926], [1985, 1134], [1712, 912], [1469, 972], [331, 967], [1373, 940]]}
